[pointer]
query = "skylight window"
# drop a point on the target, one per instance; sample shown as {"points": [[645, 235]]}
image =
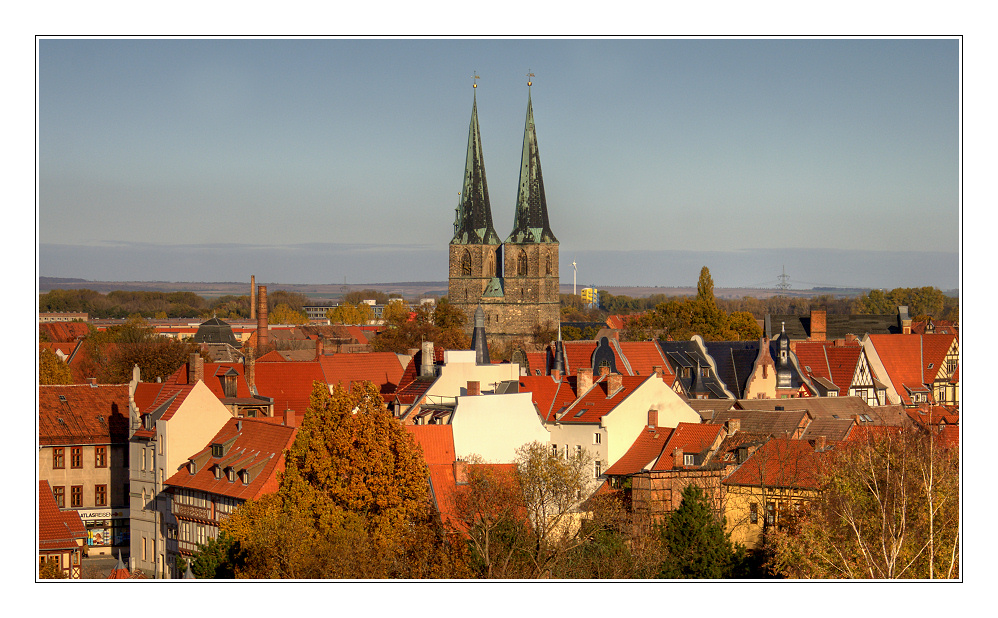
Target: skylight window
{"points": [[581, 412]]}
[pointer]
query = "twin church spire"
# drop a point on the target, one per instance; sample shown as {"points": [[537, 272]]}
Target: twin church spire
{"points": [[473, 223]]}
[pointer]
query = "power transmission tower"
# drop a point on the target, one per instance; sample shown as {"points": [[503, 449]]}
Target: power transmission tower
{"points": [[783, 285]]}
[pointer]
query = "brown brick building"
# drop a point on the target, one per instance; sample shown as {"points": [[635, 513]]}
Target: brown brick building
{"points": [[515, 282]]}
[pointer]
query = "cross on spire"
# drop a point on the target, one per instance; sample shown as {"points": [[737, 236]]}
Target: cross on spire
{"points": [[529, 76], [475, 79]]}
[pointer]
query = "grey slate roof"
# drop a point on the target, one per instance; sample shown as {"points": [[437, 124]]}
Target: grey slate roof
{"points": [[735, 361], [837, 326], [774, 423], [215, 331]]}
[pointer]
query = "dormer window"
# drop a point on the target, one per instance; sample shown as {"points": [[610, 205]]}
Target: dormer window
{"points": [[218, 472], [705, 372], [689, 459], [216, 450], [192, 466], [230, 474]]}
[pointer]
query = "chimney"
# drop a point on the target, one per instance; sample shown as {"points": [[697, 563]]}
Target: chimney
{"points": [[585, 381], [615, 382], [818, 319], [652, 419], [319, 347], [460, 472], [289, 418], [851, 337], [426, 367], [819, 443], [195, 369], [733, 425], [262, 334], [604, 371], [556, 374], [839, 343], [474, 388], [904, 320], [252, 297], [92, 381], [657, 370], [249, 369], [677, 458]]}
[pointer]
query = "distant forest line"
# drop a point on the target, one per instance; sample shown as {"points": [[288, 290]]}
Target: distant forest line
{"points": [[921, 302]]}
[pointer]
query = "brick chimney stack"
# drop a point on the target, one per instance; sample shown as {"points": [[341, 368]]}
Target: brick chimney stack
{"points": [[460, 472], [262, 333], [657, 370], [652, 419], [819, 443], [818, 320], [289, 418], [249, 368], [604, 371], [319, 347], [678, 458], [585, 381], [195, 369], [734, 424], [474, 387], [615, 382], [252, 297]]}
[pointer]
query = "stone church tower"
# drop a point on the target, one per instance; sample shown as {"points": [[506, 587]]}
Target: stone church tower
{"points": [[516, 283]]}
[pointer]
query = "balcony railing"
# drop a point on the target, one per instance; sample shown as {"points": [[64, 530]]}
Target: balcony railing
{"points": [[188, 511]]}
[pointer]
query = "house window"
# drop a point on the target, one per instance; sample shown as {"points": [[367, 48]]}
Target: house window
{"points": [[687, 372], [58, 457], [770, 513], [143, 458], [753, 513], [76, 496], [144, 556], [598, 468], [554, 450], [100, 495], [705, 372], [578, 450], [689, 459], [100, 456], [597, 438], [76, 457], [60, 496]]}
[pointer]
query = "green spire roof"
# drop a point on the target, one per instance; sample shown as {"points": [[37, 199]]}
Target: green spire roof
{"points": [[530, 223], [473, 223]]}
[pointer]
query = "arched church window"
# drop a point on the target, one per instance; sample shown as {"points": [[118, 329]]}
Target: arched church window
{"points": [[521, 264], [492, 264], [466, 264], [548, 265]]}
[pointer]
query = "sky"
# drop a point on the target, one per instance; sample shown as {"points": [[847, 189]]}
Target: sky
{"points": [[836, 161]]}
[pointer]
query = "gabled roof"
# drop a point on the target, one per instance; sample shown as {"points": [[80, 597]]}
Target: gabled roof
{"points": [[56, 529], [549, 395], [82, 414], [766, 422], [834, 363], [830, 428], [382, 368], [288, 383], [215, 372], [693, 438], [595, 403], [253, 445], [779, 463], [837, 326], [735, 361], [437, 443], [643, 356], [817, 407], [907, 360], [643, 454]]}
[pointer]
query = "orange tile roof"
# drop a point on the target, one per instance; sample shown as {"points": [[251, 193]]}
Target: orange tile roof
{"points": [[288, 383], [643, 453], [213, 373], [643, 357], [692, 438], [56, 529], [382, 368], [83, 414], [437, 444], [271, 357], [64, 331], [598, 401], [579, 354], [906, 359], [949, 436], [836, 364], [779, 463], [538, 361], [256, 442]]}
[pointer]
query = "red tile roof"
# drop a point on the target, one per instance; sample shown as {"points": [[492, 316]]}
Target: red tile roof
{"points": [[382, 368], [83, 414], [598, 400], [643, 357], [255, 442], [643, 453], [827, 360], [692, 438], [64, 331], [906, 358], [949, 436], [271, 357], [538, 361], [213, 373], [779, 463], [56, 529], [288, 383]]}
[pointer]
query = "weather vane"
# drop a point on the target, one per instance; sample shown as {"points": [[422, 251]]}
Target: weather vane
{"points": [[475, 78], [530, 75]]}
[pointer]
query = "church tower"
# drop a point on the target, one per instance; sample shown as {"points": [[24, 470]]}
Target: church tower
{"points": [[531, 252], [475, 251]]}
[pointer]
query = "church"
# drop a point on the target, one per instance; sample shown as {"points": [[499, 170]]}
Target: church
{"points": [[515, 281]]}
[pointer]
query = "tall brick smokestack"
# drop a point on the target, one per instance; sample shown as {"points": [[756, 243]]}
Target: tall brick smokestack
{"points": [[262, 336], [252, 297]]}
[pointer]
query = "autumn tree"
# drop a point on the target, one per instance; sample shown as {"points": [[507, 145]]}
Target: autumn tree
{"points": [[352, 502], [52, 370], [111, 354], [347, 313], [695, 541], [284, 314], [889, 508]]}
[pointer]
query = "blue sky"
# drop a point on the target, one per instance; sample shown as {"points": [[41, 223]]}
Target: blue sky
{"points": [[324, 160]]}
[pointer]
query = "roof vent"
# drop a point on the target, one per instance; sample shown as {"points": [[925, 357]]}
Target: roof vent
{"points": [[62, 398]]}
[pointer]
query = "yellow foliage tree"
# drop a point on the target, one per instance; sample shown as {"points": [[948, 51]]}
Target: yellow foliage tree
{"points": [[284, 314], [51, 369]]}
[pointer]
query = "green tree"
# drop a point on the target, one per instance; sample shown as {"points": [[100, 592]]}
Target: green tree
{"points": [[51, 369], [695, 542], [214, 559], [705, 288]]}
